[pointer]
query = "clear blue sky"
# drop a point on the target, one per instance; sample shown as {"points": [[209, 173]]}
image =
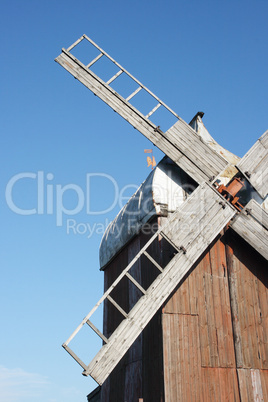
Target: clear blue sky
{"points": [[209, 56]]}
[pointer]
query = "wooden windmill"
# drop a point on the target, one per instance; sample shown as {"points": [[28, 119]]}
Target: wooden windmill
{"points": [[189, 231]]}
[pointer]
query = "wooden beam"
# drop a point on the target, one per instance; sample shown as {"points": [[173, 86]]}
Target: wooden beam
{"points": [[254, 165], [206, 217], [135, 283], [95, 329], [252, 225], [153, 261], [79, 361], [119, 308], [179, 142]]}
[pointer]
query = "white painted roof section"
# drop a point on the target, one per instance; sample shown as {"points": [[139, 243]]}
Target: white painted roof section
{"points": [[163, 191], [200, 128], [198, 125]]}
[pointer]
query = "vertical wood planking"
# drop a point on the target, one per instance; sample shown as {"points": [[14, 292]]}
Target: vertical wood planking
{"points": [[182, 361], [133, 381], [211, 322], [222, 308], [133, 370], [220, 384], [208, 295], [264, 383], [248, 280], [153, 381], [233, 286], [256, 385], [206, 292], [253, 384], [245, 386], [152, 342], [202, 270], [105, 390], [262, 318], [214, 321]]}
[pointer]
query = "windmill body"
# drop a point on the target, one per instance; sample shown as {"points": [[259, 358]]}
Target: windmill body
{"points": [[175, 326]]}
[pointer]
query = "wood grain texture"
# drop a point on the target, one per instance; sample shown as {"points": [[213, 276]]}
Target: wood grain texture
{"points": [[206, 227], [178, 142], [254, 165], [248, 281], [206, 292], [253, 385], [182, 360], [219, 384], [213, 295], [252, 225]]}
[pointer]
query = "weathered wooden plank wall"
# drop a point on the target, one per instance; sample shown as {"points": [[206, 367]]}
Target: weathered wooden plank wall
{"points": [[133, 370], [205, 293], [226, 295], [209, 342], [253, 384], [219, 384], [140, 373], [182, 352], [249, 288], [193, 226], [152, 351]]}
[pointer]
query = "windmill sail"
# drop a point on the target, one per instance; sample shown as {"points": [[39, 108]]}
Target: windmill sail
{"points": [[190, 229], [206, 213], [181, 143], [252, 226], [254, 165]]}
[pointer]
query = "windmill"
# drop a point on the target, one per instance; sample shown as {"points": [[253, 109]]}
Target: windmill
{"points": [[212, 207]]}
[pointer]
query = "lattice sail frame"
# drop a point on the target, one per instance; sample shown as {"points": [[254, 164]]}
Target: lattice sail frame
{"points": [[181, 143]]}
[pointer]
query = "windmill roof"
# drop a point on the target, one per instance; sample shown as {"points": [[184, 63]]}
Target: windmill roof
{"points": [[162, 192]]}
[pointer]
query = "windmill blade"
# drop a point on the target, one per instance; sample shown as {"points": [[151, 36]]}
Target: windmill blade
{"points": [[190, 229], [254, 165], [181, 143], [252, 225]]}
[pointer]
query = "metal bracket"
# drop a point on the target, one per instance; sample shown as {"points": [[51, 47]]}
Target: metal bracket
{"points": [[183, 249], [222, 204], [157, 129], [230, 191]]}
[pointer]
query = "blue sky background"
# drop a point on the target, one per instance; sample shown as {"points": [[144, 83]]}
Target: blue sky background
{"points": [[209, 56]]}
